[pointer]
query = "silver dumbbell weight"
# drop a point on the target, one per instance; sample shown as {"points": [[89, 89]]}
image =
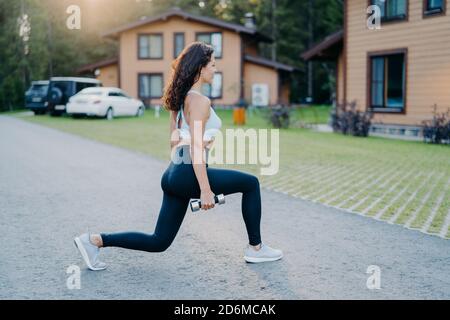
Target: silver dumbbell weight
{"points": [[196, 204]]}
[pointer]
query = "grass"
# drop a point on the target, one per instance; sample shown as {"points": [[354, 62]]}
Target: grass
{"points": [[312, 115], [404, 182]]}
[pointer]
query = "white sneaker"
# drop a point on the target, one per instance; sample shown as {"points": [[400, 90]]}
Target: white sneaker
{"points": [[89, 252], [264, 254]]}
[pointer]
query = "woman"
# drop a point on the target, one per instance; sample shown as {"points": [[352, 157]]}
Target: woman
{"points": [[184, 180]]}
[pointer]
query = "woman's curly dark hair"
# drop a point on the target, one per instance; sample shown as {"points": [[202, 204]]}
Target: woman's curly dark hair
{"points": [[185, 73]]}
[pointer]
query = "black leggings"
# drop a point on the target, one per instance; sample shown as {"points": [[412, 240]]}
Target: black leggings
{"points": [[180, 184]]}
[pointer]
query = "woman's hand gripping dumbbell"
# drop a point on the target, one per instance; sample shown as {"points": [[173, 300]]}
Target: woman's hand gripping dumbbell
{"points": [[196, 204]]}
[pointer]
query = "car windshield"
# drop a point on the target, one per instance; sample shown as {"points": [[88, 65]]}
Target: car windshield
{"points": [[39, 88]]}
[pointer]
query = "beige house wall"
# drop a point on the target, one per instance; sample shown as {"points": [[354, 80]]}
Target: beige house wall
{"points": [[130, 66], [254, 74], [428, 60], [109, 75], [340, 79]]}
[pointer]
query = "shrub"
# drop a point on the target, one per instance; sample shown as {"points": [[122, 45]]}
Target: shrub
{"points": [[437, 130], [347, 120], [279, 116]]}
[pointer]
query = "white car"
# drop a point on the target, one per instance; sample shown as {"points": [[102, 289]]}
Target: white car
{"points": [[105, 102]]}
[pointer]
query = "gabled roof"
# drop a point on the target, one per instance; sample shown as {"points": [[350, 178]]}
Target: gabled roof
{"points": [[269, 63], [92, 66], [328, 48], [188, 16]]}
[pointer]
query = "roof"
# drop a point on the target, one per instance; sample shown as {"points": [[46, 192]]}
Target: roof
{"points": [[328, 48], [269, 63], [92, 66], [103, 89], [77, 79], [188, 16]]}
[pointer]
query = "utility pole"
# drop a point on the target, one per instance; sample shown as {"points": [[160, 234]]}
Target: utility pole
{"points": [[24, 34], [50, 43], [310, 43], [274, 31], [49, 46]]}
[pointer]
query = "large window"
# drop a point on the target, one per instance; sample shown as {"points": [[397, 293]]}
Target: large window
{"points": [[178, 43], [150, 46], [392, 9], [214, 91], [214, 39], [387, 81], [150, 85], [433, 7]]}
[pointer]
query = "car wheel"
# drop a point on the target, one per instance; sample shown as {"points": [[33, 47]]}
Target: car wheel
{"points": [[140, 112], [55, 95], [109, 114]]}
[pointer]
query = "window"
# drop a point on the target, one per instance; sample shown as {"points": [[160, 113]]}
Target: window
{"points": [[123, 95], [39, 88], [387, 81], [178, 44], [214, 39], [214, 91], [150, 85], [433, 7], [117, 94], [83, 85], [392, 9], [150, 46]]}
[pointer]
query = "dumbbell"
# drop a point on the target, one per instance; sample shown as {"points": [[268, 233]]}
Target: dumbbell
{"points": [[196, 204]]}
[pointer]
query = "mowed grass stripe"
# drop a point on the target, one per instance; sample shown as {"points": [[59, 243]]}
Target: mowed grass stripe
{"points": [[352, 194]]}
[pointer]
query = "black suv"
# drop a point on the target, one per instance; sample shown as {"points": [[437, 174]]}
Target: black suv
{"points": [[62, 88], [36, 96]]}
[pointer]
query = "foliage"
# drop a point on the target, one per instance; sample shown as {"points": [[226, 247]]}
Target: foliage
{"points": [[437, 130], [346, 119], [279, 116]]}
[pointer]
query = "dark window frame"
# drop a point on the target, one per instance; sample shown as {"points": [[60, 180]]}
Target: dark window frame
{"points": [[141, 74], [210, 33], [221, 88], [139, 45], [428, 13], [175, 42], [396, 19], [385, 109]]}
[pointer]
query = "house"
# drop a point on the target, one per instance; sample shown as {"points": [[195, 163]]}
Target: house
{"points": [[148, 46], [399, 71]]}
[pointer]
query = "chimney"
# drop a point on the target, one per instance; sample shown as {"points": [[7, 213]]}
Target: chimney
{"points": [[250, 20]]}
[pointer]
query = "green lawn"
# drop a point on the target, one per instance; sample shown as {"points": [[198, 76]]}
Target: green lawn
{"points": [[398, 181]]}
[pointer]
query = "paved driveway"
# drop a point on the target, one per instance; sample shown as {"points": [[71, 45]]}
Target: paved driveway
{"points": [[53, 185]]}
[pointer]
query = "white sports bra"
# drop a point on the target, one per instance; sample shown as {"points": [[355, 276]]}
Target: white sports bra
{"points": [[212, 126]]}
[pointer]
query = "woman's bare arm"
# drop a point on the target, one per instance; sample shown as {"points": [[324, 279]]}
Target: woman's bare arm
{"points": [[197, 120], [174, 134]]}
